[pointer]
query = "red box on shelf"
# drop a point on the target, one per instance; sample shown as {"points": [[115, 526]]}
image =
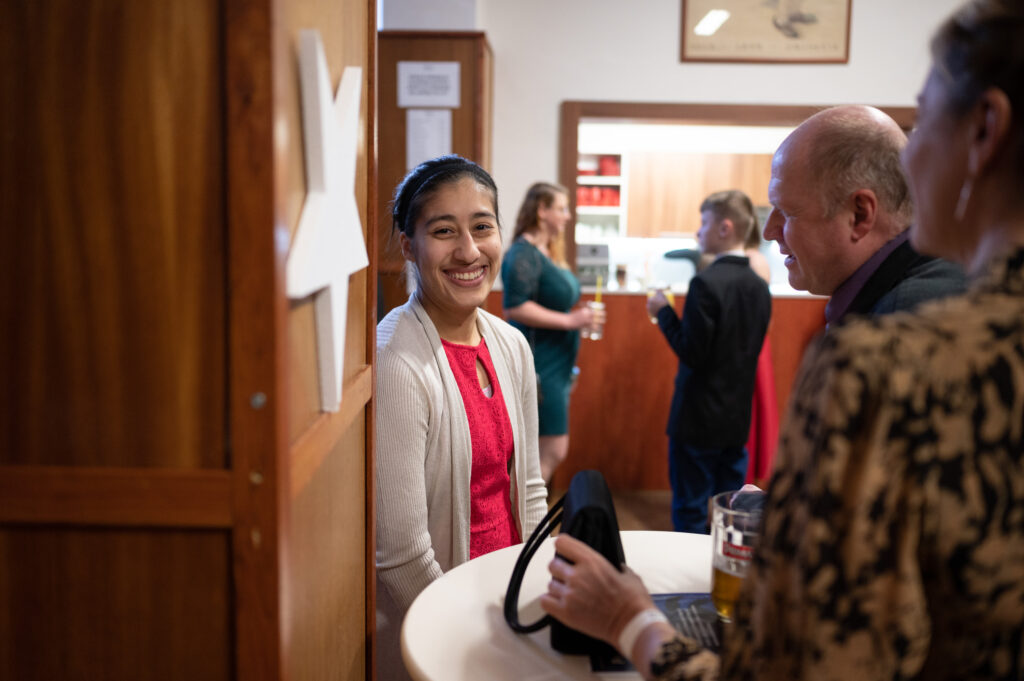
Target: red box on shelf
{"points": [[609, 165], [589, 196]]}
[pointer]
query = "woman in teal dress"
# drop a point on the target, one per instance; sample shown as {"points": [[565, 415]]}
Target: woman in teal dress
{"points": [[540, 292]]}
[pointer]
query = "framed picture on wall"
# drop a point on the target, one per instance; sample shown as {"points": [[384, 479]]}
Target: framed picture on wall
{"points": [[770, 31]]}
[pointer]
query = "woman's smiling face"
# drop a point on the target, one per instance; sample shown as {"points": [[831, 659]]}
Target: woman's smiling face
{"points": [[456, 247]]}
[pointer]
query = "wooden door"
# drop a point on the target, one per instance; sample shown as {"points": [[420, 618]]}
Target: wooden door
{"points": [[169, 495]]}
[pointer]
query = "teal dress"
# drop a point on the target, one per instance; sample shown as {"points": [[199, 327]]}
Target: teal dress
{"points": [[528, 274]]}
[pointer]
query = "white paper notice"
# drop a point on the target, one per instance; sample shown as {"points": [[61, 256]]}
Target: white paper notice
{"points": [[428, 83], [428, 134]]}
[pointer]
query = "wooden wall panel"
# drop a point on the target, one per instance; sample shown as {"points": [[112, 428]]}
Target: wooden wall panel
{"points": [[326, 605], [667, 188], [619, 408], [795, 323], [113, 271], [114, 604], [327, 567]]}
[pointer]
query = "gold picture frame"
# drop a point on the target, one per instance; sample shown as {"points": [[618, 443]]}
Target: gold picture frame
{"points": [[766, 31]]}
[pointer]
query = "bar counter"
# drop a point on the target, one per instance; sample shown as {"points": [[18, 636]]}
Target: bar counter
{"points": [[619, 408]]}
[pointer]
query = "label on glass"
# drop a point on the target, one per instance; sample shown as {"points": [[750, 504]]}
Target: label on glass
{"points": [[736, 552]]}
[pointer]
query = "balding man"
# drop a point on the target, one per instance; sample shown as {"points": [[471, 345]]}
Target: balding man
{"points": [[840, 213]]}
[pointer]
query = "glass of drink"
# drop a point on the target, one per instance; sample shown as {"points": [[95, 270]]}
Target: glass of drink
{"points": [[596, 330], [735, 524], [668, 296]]}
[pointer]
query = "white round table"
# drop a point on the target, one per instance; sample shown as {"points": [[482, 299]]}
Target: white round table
{"points": [[455, 630]]}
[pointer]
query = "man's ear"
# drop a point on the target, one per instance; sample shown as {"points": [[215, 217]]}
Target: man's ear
{"points": [[864, 205], [406, 244]]}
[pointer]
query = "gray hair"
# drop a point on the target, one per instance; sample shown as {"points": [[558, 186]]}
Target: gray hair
{"points": [[855, 152]]}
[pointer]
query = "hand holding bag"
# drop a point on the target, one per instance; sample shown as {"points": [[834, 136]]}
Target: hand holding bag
{"points": [[588, 514]]}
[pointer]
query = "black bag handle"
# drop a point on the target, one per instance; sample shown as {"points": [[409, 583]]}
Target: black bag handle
{"points": [[540, 533], [586, 512]]}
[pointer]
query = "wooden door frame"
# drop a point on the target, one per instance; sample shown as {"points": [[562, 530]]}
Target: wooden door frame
{"points": [[262, 468]]}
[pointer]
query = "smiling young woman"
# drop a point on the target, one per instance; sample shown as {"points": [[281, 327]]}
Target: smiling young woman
{"points": [[458, 472]]}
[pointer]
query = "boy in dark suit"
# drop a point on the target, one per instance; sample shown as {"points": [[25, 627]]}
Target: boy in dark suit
{"points": [[717, 341]]}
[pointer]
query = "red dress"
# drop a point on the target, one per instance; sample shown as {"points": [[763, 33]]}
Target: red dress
{"points": [[492, 525], [764, 419]]}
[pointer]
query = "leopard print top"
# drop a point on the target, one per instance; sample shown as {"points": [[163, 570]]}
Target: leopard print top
{"points": [[893, 544]]}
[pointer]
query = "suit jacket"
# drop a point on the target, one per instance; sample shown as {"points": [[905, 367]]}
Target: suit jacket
{"points": [[904, 280], [717, 342]]}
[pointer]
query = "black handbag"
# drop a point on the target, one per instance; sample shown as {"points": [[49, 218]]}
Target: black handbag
{"points": [[588, 514]]}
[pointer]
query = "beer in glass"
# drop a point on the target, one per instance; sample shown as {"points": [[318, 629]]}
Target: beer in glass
{"points": [[734, 529]]}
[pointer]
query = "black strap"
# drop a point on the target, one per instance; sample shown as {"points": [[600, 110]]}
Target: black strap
{"points": [[540, 533]]}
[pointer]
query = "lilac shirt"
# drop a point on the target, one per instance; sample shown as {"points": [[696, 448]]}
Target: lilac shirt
{"points": [[843, 297]]}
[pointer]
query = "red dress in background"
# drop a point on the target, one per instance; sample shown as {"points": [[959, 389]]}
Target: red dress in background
{"points": [[764, 419]]}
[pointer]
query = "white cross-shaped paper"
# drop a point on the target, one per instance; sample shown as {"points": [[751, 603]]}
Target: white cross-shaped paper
{"points": [[328, 245]]}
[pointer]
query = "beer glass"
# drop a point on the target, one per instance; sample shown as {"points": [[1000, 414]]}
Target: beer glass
{"points": [[734, 528]]}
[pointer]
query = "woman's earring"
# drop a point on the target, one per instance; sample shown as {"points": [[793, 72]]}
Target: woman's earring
{"points": [[965, 198]]}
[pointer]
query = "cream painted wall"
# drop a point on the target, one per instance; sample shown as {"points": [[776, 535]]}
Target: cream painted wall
{"points": [[547, 51], [427, 15]]}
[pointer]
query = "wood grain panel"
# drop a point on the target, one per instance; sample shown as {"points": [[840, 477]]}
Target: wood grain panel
{"points": [[795, 323], [618, 410], [309, 452], [113, 273], [326, 599], [303, 369], [115, 496], [114, 605], [370, 343], [257, 388], [325, 625], [666, 189], [350, 50]]}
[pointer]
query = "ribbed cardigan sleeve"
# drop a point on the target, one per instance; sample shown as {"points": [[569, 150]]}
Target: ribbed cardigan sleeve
{"points": [[405, 556]]}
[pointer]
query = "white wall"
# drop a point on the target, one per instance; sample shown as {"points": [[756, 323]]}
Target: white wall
{"points": [[547, 51], [427, 15]]}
